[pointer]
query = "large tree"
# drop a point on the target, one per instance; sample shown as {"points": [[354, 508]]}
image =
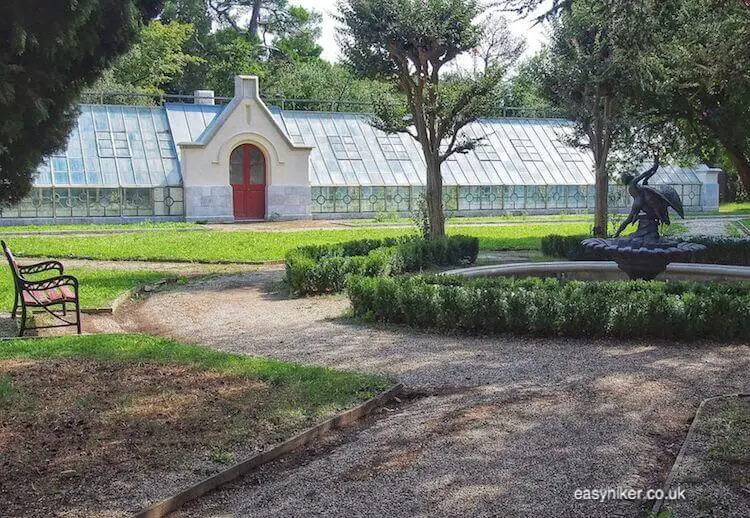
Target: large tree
{"points": [[158, 57], [703, 81], [409, 42], [49, 51], [242, 37], [324, 86], [599, 61]]}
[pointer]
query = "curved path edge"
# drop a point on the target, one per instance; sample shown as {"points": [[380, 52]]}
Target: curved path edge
{"points": [[344, 419]]}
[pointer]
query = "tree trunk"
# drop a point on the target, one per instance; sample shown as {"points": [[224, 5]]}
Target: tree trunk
{"points": [[252, 27], [741, 163], [434, 196], [602, 193]]}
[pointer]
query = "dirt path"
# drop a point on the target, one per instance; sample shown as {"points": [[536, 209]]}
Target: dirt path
{"points": [[502, 426]]}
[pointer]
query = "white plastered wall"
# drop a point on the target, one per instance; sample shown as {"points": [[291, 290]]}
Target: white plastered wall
{"points": [[205, 163]]}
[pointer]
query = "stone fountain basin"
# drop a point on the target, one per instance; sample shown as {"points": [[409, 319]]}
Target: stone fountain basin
{"points": [[604, 271]]}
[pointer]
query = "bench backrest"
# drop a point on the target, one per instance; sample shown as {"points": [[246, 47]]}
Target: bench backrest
{"points": [[13, 264]]}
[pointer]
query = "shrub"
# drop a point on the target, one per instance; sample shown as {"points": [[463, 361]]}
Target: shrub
{"points": [[552, 307], [719, 250], [324, 268]]}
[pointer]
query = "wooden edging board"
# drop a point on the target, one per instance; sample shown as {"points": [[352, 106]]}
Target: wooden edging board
{"points": [[341, 420]]}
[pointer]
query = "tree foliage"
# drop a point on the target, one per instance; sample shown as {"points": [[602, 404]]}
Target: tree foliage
{"points": [[157, 58], [325, 86], [229, 42], [408, 43], [598, 64], [49, 51], [703, 77]]}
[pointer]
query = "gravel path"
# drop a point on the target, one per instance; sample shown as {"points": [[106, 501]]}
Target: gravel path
{"points": [[501, 426], [707, 226]]}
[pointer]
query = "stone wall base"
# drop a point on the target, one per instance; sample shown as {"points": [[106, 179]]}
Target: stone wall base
{"points": [[286, 202], [211, 203]]}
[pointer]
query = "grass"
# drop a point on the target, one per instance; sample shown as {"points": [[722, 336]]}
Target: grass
{"points": [[310, 385], [98, 287], [395, 219], [258, 246], [716, 477], [740, 207], [143, 225], [86, 416]]}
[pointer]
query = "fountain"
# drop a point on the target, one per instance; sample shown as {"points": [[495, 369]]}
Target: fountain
{"points": [[645, 253]]}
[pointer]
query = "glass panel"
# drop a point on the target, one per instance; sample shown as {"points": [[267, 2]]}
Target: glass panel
{"points": [[322, 199], [104, 144], [236, 176], [485, 152], [115, 118], [257, 166], [514, 197], [525, 149], [450, 197], [101, 121], [373, 199], [120, 139], [469, 198], [77, 176], [397, 199], [137, 202], [536, 197], [166, 148], [172, 170], [78, 200], [556, 197]]}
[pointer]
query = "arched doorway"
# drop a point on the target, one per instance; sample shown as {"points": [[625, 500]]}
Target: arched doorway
{"points": [[247, 175]]}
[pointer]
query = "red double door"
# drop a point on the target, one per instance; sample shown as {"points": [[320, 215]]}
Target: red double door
{"points": [[247, 175]]}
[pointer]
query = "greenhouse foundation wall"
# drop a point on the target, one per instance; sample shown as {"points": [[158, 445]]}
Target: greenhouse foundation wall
{"points": [[54, 205], [367, 202]]}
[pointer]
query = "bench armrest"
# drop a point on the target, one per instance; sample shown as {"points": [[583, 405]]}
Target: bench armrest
{"points": [[41, 267], [54, 282]]}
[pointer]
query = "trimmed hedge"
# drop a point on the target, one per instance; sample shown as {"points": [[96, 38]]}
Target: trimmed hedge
{"points": [[552, 307], [324, 268], [719, 250]]}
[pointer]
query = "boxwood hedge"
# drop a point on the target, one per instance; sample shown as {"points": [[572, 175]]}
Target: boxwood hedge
{"points": [[324, 268], [719, 250], [552, 307]]}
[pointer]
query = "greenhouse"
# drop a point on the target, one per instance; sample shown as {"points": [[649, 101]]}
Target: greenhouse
{"points": [[200, 161]]}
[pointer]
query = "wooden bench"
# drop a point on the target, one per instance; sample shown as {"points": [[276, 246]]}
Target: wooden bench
{"points": [[44, 293]]}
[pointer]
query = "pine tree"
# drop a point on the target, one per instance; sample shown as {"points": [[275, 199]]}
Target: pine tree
{"points": [[49, 51]]}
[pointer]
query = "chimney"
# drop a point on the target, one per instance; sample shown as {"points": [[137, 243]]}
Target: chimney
{"points": [[203, 97], [245, 87]]}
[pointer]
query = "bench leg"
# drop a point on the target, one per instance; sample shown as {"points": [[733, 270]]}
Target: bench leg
{"points": [[15, 305], [78, 316], [64, 312], [23, 320]]}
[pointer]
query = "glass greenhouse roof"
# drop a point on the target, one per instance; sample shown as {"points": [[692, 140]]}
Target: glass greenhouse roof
{"points": [[136, 146], [515, 151], [115, 146]]}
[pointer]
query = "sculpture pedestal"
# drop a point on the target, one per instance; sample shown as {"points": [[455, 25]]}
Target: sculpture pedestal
{"points": [[643, 254]]}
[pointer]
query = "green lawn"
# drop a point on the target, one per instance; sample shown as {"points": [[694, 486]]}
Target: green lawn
{"points": [[742, 207], [98, 287], [102, 407], [144, 225], [309, 385], [252, 246], [470, 220]]}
